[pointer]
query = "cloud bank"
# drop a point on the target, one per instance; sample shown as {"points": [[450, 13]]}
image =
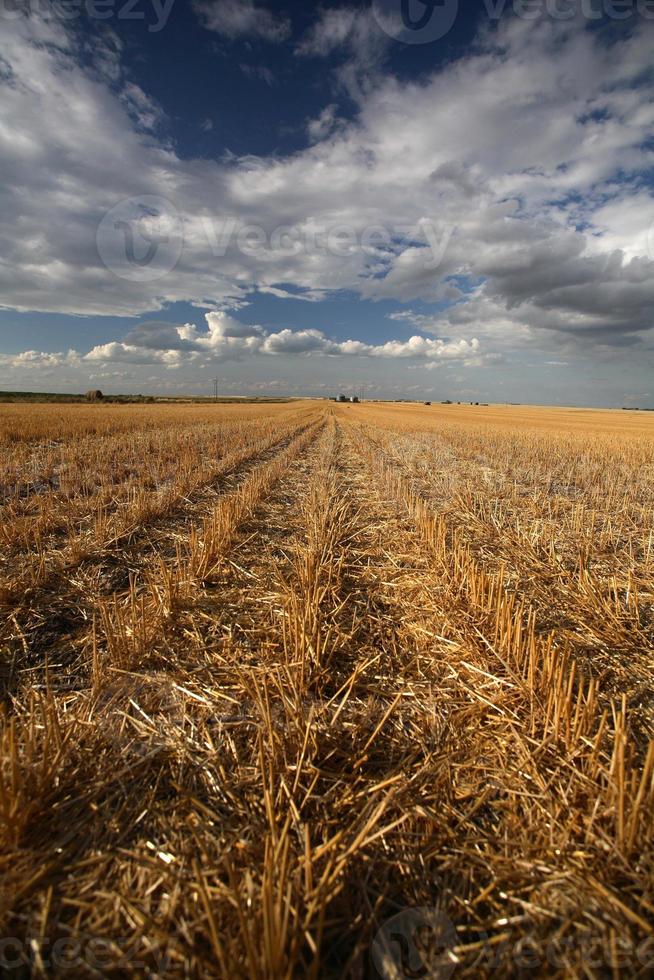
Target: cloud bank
{"points": [[530, 156], [227, 339]]}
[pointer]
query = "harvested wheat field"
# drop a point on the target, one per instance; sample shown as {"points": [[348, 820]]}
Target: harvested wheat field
{"points": [[319, 690]]}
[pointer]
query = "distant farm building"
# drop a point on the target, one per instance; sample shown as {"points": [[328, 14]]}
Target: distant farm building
{"points": [[354, 398], [342, 398], [95, 395]]}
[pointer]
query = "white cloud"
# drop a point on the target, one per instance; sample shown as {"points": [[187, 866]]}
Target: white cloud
{"points": [[323, 124], [295, 342], [242, 18], [129, 354], [308, 295], [146, 113], [261, 72], [346, 30]]}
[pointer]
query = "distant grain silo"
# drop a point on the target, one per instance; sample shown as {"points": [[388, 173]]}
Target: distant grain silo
{"points": [[354, 398], [342, 398]]}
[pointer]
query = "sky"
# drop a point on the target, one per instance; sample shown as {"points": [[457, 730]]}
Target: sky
{"points": [[415, 199]]}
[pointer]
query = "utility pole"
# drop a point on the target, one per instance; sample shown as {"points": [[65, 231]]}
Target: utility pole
{"points": [[215, 389]]}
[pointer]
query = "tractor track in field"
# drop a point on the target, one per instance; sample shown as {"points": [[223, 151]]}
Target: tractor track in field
{"points": [[240, 604], [260, 569]]}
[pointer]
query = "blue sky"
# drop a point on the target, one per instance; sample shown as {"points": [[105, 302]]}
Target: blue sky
{"points": [[301, 199]]}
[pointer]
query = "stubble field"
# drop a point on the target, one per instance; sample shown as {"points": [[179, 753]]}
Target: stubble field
{"points": [[282, 683]]}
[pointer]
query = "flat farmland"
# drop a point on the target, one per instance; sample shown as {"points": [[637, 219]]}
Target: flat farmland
{"points": [[274, 677]]}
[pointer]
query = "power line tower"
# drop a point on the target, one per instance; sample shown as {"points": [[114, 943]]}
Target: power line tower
{"points": [[215, 389]]}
